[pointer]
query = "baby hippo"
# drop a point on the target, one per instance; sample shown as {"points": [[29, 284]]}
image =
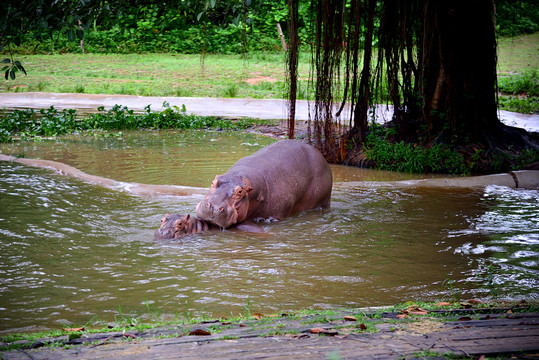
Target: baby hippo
{"points": [[174, 226]]}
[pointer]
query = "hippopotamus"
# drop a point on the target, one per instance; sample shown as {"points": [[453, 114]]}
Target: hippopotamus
{"points": [[174, 226], [279, 179]]}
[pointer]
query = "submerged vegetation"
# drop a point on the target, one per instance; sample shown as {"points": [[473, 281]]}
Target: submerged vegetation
{"points": [[29, 124]]}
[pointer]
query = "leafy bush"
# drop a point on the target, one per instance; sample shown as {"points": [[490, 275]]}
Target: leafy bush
{"points": [[412, 158], [523, 90], [524, 105], [525, 83]]}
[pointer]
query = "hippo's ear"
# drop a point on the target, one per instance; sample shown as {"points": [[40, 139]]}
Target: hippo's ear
{"points": [[247, 185], [215, 183], [179, 227], [164, 219], [187, 217]]}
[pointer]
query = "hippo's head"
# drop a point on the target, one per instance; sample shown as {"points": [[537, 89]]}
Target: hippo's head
{"points": [[228, 201], [172, 226]]}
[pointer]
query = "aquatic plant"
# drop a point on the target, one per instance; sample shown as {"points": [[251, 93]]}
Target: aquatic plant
{"points": [[30, 124]]}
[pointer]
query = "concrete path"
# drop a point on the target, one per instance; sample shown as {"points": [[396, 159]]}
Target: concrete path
{"points": [[228, 108]]}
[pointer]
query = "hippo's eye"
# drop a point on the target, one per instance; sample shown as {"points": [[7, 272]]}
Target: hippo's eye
{"points": [[221, 209]]}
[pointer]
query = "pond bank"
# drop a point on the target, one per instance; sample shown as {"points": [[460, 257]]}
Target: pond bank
{"points": [[340, 334], [233, 108]]}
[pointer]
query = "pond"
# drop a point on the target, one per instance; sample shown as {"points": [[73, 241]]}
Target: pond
{"points": [[73, 252]]}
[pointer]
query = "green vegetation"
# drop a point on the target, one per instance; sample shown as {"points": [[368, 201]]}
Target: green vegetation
{"points": [[516, 17], [238, 55], [29, 124], [256, 75], [400, 156], [520, 93]]}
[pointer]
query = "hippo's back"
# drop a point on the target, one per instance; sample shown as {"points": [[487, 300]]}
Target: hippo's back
{"points": [[294, 173]]}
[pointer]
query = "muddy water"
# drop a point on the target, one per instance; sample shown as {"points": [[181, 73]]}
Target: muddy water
{"points": [[72, 251]]}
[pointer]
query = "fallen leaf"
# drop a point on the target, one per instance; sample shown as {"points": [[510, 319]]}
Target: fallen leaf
{"points": [[363, 326], [226, 323], [350, 318], [131, 336], [401, 316], [321, 331], [415, 311], [243, 325], [73, 329], [199, 332], [442, 303], [474, 301], [466, 305], [465, 318], [258, 316], [418, 312], [486, 317]]}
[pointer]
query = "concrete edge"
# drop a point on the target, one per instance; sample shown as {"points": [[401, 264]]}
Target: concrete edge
{"points": [[132, 188], [527, 179]]}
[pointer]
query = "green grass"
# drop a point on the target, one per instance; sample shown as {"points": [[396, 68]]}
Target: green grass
{"points": [[259, 76], [518, 55], [153, 75]]}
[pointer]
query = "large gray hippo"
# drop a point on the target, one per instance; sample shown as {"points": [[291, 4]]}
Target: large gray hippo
{"points": [[274, 182]]}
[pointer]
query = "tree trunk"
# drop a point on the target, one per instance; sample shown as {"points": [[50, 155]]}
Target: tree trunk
{"points": [[459, 71], [292, 62]]}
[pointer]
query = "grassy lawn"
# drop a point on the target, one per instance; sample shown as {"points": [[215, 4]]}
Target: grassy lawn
{"points": [[261, 75], [518, 55]]}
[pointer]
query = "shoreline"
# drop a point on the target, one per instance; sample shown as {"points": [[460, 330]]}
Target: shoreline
{"points": [[465, 329], [232, 108]]}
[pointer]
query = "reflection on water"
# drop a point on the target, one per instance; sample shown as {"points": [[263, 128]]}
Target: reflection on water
{"points": [[72, 251]]}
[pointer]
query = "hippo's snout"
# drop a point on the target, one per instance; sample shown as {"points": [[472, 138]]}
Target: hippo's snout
{"points": [[220, 215]]}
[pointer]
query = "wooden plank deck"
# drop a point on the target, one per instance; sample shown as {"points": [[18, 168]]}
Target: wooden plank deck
{"points": [[495, 334]]}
